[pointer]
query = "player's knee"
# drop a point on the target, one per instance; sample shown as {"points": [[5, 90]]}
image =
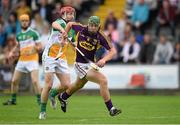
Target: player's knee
{"points": [[35, 82], [103, 81], [14, 82], [48, 86]]}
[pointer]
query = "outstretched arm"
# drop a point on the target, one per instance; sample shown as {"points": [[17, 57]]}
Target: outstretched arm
{"points": [[69, 26], [57, 26]]}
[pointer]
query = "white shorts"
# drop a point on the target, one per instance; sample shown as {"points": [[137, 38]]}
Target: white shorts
{"points": [[82, 69], [27, 66], [55, 66]]}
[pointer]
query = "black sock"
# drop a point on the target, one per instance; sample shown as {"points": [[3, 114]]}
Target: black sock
{"points": [[65, 96], [38, 98], [109, 104]]}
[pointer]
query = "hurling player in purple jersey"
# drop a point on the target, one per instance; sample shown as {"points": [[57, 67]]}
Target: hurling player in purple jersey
{"points": [[89, 39]]}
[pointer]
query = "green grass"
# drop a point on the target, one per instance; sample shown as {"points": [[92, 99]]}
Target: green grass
{"points": [[91, 110]]}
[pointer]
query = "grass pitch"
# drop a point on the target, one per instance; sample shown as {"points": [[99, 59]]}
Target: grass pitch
{"points": [[91, 110]]}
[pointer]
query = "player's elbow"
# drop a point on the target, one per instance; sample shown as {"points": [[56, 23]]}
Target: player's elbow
{"points": [[55, 25]]}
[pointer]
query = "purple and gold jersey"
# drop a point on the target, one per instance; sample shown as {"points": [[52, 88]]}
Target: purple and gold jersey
{"points": [[89, 43]]}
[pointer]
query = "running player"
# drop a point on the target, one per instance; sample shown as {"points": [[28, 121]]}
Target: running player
{"points": [[28, 45], [54, 59], [89, 39]]}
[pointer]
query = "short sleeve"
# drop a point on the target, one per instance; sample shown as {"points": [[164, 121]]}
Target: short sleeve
{"points": [[77, 27], [105, 41], [61, 22], [17, 38], [36, 37]]}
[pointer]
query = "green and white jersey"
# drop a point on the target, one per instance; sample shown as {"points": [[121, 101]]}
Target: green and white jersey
{"points": [[27, 41], [53, 46]]}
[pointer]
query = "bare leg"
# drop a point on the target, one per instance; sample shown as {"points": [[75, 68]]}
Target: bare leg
{"points": [[34, 78], [47, 87], [65, 81], [97, 77], [14, 88], [78, 84], [15, 81]]}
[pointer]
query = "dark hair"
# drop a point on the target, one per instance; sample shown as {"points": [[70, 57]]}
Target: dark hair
{"points": [[13, 14], [35, 12]]}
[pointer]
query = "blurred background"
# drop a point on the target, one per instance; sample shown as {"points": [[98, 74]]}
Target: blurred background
{"points": [[145, 33]]}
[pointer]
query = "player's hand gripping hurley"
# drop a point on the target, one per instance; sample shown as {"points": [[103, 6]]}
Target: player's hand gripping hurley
{"points": [[92, 64]]}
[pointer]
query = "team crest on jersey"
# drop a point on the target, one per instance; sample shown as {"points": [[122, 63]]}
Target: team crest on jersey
{"points": [[88, 39], [94, 42], [87, 46], [28, 37]]}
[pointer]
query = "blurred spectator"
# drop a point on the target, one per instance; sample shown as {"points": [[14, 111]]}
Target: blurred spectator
{"points": [[2, 35], [10, 43], [147, 50], [45, 10], [131, 50], [45, 35], [110, 19], [88, 4], [55, 12], [152, 4], [166, 17], [22, 8], [112, 33], [44, 40], [1, 19], [164, 51], [38, 23], [140, 16], [139, 38], [129, 6], [5, 9], [13, 26], [153, 7], [2, 56], [34, 5], [127, 33], [122, 25], [176, 54], [176, 5]]}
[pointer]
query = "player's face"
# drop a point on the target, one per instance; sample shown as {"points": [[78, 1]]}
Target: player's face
{"points": [[24, 24], [70, 16], [93, 28]]}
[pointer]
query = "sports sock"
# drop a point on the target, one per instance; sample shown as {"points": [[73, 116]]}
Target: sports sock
{"points": [[109, 104], [13, 97], [53, 92], [65, 96], [43, 107], [38, 98]]}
